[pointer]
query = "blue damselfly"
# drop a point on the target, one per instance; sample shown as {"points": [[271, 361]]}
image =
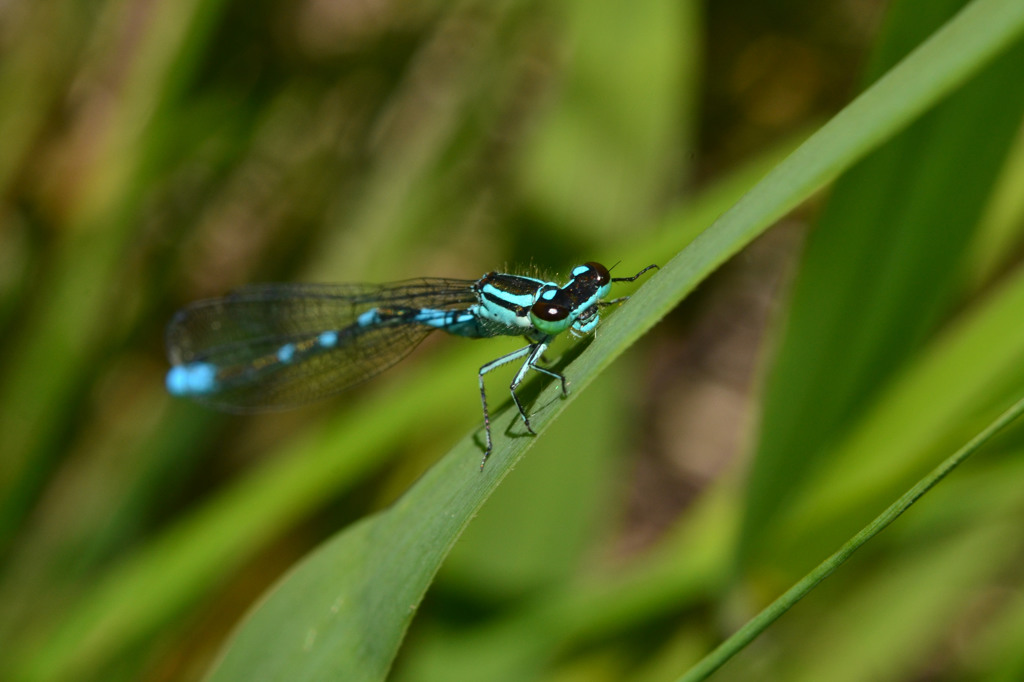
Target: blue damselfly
{"points": [[269, 346]]}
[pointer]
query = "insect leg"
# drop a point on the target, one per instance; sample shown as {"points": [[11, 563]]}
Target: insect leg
{"points": [[537, 350], [493, 364]]}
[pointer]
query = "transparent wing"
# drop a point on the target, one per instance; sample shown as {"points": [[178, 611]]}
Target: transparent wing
{"points": [[268, 343]]}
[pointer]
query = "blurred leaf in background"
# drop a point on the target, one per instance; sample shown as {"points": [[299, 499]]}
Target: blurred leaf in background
{"points": [[159, 152], [881, 272]]}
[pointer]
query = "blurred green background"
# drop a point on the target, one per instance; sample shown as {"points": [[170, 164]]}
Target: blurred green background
{"points": [[158, 152]]}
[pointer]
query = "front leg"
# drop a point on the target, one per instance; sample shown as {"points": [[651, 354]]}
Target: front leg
{"points": [[531, 363], [533, 354]]}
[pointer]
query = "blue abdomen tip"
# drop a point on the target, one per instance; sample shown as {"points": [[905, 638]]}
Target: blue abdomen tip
{"points": [[195, 378]]}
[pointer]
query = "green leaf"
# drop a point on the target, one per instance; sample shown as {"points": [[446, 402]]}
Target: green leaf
{"points": [[881, 271], [777, 608], [342, 613]]}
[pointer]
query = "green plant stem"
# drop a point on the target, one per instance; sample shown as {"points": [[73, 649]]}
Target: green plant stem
{"points": [[755, 626]]}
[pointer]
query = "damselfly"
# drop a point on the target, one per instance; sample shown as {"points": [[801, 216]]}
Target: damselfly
{"points": [[270, 346]]}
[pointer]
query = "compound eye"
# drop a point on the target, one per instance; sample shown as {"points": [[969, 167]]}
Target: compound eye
{"points": [[601, 274], [552, 313], [549, 311]]}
